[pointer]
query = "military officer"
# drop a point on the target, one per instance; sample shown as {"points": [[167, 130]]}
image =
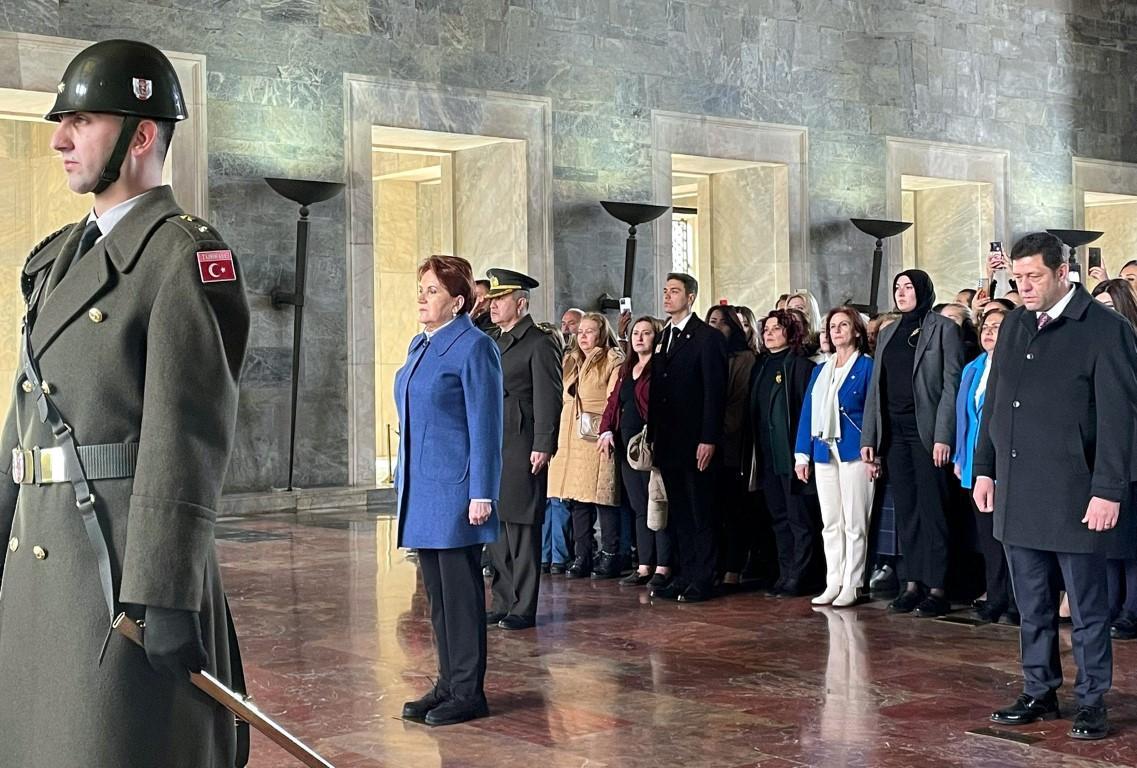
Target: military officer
{"points": [[116, 445], [531, 368]]}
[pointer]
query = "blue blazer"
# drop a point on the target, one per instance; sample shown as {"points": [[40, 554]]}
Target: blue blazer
{"points": [[968, 416], [449, 399], [851, 399]]}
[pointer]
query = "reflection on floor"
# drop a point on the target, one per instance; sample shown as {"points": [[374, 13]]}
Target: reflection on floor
{"points": [[335, 637]]}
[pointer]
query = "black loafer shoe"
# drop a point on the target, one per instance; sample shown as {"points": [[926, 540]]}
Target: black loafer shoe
{"points": [[557, 569], [693, 594], [517, 622], [988, 613], [456, 711], [1090, 724], [493, 617], [418, 709], [1027, 709], [659, 580], [905, 602], [669, 592], [1124, 628], [931, 607], [635, 579]]}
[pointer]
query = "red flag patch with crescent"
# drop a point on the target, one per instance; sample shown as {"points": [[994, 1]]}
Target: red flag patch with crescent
{"points": [[216, 266]]}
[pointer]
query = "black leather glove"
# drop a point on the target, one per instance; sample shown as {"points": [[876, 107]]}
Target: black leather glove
{"points": [[173, 641]]}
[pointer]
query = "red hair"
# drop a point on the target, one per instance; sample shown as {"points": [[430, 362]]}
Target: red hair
{"points": [[793, 323], [456, 276]]}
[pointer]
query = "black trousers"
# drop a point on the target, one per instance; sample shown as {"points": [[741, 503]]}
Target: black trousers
{"points": [[690, 516], [1122, 588], [1035, 575], [919, 493], [738, 519], [517, 569], [652, 547], [584, 515], [793, 526], [457, 594], [999, 590]]}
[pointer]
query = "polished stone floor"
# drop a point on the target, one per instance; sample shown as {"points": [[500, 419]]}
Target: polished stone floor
{"points": [[335, 634]]}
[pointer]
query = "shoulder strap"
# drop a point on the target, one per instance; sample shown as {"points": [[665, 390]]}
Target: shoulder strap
{"points": [[199, 230], [27, 282]]}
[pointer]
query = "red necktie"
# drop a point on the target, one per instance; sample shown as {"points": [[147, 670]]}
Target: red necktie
{"points": [[1043, 319]]}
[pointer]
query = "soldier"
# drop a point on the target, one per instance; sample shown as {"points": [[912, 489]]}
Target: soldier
{"points": [[116, 445], [531, 367]]}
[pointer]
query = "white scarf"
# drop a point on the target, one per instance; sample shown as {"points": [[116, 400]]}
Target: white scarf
{"points": [[825, 413]]}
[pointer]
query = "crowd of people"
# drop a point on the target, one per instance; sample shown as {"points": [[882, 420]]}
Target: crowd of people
{"points": [[830, 455]]}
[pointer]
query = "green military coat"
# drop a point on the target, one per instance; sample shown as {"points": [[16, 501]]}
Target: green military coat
{"points": [[531, 375], [136, 348]]}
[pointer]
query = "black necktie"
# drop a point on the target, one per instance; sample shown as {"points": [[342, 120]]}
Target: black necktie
{"points": [[671, 339], [90, 235]]}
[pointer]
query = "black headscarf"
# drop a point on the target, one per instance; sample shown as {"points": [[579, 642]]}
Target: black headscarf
{"points": [[925, 295]]}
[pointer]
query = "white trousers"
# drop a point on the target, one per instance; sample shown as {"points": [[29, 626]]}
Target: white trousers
{"points": [[844, 493]]}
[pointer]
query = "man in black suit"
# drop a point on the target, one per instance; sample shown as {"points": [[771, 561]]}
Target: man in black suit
{"points": [[1053, 462], [685, 423]]}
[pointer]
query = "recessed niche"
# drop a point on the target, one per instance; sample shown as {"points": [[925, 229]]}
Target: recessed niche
{"points": [[1105, 200]]}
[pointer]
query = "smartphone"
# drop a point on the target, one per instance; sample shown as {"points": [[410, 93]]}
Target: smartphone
{"points": [[1095, 257], [626, 305]]}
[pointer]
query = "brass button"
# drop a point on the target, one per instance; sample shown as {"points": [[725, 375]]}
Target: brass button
{"points": [[26, 386], [13, 544], [39, 552], [95, 315], [43, 385]]}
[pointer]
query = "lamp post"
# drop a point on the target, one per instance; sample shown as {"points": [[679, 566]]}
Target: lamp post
{"points": [[305, 193], [1074, 239], [880, 229], [632, 214]]}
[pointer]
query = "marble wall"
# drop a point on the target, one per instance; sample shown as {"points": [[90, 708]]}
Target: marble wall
{"points": [[490, 217], [951, 235], [1119, 242], [1043, 80]]}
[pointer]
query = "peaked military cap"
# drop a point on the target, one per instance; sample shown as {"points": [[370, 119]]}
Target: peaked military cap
{"points": [[505, 281]]}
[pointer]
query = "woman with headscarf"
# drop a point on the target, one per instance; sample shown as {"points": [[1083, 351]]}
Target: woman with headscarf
{"points": [[910, 420]]}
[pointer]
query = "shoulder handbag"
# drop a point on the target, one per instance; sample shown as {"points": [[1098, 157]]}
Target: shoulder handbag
{"points": [[587, 422], [639, 452]]}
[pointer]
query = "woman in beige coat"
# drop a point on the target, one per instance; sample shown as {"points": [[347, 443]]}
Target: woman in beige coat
{"points": [[578, 473]]}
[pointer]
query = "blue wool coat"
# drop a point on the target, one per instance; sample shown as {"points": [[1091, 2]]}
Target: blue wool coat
{"points": [[967, 418], [449, 399], [851, 398]]}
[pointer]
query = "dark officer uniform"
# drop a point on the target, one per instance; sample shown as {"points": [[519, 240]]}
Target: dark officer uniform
{"points": [[1057, 429], [139, 341], [531, 369]]}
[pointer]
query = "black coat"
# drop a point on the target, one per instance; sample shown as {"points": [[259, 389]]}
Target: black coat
{"points": [[796, 370], [1058, 424], [688, 395], [531, 377]]}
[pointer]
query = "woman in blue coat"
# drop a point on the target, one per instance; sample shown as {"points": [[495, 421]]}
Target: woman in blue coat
{"points": [[449, 399], [829, 435]]}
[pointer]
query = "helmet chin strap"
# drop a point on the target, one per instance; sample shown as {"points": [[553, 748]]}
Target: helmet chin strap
{"points": [[113, 167]]}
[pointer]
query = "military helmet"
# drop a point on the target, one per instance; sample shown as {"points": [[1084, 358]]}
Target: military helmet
{"points": [[120, 77]]}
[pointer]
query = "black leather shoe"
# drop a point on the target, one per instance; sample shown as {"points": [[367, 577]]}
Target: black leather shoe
{"points": [[456, 711], [659, 580], [905, 602], [931, 607], [669, 592], [608, 567], [693, 594], [1027, 709], [517, 622], [635, 579], [1013, 618], [1090, 724], [988, 613], [418, 709], [775, 589], [546, 567], [493, 617], [1124, 628], [791, 588], [557, 569], [580, 569]]}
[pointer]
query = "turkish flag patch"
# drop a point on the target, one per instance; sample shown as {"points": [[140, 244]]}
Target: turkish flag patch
{"points": [[216, 266]]}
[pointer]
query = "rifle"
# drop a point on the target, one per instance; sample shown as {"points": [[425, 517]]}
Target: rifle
{"points": [[241, 706]]}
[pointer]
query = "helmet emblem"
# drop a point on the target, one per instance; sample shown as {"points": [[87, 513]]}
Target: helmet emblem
{"points": [[143, 88]]}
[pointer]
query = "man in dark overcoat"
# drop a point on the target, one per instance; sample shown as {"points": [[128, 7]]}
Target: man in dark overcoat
{"points": [[531, 370], [1054, 462], [116, 446], [685, 426]]}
